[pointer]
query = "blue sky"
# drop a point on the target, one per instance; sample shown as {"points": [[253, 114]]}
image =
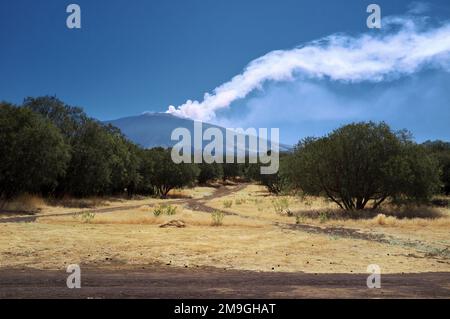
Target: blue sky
{"points": [[136, 56]]}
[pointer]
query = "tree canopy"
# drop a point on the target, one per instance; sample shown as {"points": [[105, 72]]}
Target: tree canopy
{"points": [[163, 175], [362, 163], [441, 151], [33, 154]]}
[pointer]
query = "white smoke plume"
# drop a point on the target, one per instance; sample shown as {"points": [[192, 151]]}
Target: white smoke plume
{"points": [[405, 45]]}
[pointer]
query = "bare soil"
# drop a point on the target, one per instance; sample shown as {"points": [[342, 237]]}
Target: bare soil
{"points": [[168, 282]]}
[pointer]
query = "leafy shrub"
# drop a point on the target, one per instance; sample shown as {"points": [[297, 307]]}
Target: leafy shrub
{"points": [[227, 203], [299, 219], [217, 218], [323, 217], [158, 211], [171, 210], [87, 217], [168, 210]]}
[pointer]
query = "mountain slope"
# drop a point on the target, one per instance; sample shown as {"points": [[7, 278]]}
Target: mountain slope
{"points": [[155, 129]]}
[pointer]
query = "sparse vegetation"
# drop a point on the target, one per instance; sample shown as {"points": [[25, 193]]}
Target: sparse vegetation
{"points": [[237, 234], [323, 217], [171, 210], [87, 217], [281, 206], [227, 203], [299, 219], [168, 210], [217, 218]]}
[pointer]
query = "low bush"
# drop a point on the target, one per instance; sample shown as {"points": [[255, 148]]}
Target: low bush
{"points": [[87, 217], [281, 206], [168, 210], [227, 203], [217, 218]]}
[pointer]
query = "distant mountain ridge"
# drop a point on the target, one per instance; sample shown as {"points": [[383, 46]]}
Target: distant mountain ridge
{"points": [[155, 129]]}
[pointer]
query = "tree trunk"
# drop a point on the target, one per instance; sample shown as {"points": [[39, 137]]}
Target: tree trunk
{"points": [[377, 204], [360, 204]]}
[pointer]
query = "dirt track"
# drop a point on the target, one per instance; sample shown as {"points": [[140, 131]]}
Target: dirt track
{"points": [[192, 203], [160, 282]]}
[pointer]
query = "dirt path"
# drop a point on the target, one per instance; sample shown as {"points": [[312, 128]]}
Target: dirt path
{"points": [[192, 203], [199, 204], [159, 282]]}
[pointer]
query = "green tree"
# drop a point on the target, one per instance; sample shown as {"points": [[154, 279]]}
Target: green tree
{"points": [[231, 170], [362, 163], [124, 162], [33, 154], [103, 161], [90, 170], [67, 118], [275, 183], [161, 174], [209, 172], [441, 151]]}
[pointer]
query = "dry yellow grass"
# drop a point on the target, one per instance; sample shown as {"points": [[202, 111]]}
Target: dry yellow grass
{"points": [[196, 192], [144, 216], [250, 241], [249, 248], [43, 207], [255, 202], [25, 203], [258, 204]]}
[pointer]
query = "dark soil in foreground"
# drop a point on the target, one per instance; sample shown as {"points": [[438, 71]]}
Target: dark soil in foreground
{"points": [[159, 282]]}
